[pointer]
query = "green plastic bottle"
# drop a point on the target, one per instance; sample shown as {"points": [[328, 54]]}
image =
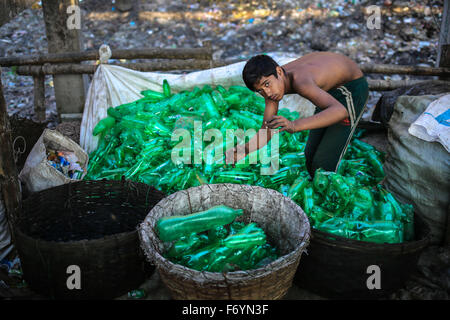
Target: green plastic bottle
{"points": [[112, 112], [185, 245], [361, 203], [362, 145], [217, 234], [380, 231], [236, 226], [241, 241], [127, 108], [219, 258], [386, 211], [166, 89], [308, 200], [377, 166], [157, 128], [200, 259], [319, 214], [153, 95], [320, 181], [233, 100], [104, 125], [338, 184], [297, 187], [337, 226], [173, 227], [209, 105], [234, 176], [292, 158]]}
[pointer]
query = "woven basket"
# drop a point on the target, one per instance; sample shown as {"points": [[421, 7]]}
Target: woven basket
{"points": [[110, 259], [284, 222], [336, 267]]}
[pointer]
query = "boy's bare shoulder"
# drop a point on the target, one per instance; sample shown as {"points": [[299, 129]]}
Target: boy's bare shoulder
{"points": [[301, 81]]}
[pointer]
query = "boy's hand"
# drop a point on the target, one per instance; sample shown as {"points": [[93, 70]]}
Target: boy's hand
{"points": [[280, 121], [231, 156]]}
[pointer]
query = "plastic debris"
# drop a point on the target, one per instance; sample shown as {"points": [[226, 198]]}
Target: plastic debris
{"points": [[65, 162]]}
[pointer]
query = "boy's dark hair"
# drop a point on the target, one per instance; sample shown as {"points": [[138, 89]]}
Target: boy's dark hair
{"points": [[258, 66]]}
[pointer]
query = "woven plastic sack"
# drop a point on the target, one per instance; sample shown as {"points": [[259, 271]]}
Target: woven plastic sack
{"points": [[434, 123], [416, 170], [37, 174], [112, 86]]}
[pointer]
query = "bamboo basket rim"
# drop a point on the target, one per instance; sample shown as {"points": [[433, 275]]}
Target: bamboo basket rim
{"points": [[207, 277]]}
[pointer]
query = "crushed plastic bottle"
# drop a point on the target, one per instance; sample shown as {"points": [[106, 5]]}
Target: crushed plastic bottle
{"points": [[135, 142]]}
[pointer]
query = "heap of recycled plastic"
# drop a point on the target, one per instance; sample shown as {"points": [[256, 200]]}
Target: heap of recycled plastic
{"points": [[65, 162], [136, 143], [212, 240]]}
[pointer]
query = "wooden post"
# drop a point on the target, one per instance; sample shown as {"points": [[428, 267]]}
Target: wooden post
{"points": [[39, 97], [204, 53], [443, 58], [63, 35], [10, 187]]}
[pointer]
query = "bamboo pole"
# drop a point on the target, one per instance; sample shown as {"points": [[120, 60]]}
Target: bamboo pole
{"points": [[52, 69], [386, 85], [204, 53], [203, 64], [10, 187], [411, 70], [380, 68]]}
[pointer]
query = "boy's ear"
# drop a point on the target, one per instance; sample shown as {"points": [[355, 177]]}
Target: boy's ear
{"points": [[279, 71]]}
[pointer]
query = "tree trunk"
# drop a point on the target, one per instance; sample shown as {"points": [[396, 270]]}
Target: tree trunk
{"points": [[63, 29], [9, 182]]}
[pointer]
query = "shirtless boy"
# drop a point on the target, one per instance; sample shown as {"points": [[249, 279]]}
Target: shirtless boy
{"points": [[331, 81]]}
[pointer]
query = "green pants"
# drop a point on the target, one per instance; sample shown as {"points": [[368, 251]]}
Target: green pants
{"points": [[326, 146]]}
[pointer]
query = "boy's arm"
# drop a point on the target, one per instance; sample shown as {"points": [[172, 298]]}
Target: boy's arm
{"points": [[333, 111], [261, 138]]}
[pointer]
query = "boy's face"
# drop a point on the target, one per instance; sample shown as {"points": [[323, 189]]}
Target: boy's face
{"points": [[270, 87]]}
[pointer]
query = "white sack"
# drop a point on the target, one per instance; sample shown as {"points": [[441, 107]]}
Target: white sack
{"points": [[37, 174], [434, 123]]}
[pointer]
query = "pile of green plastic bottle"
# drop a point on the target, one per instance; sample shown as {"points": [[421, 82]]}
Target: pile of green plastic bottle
{"points": [[136, 143], [212, 240], [346, 207]]}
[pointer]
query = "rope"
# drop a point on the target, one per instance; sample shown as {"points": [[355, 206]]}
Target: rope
{"points": [[17, 152], [104, 53]]}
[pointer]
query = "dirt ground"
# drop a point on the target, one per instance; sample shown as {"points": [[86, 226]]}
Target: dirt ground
{"points": [[431, 281], [237, 30]]}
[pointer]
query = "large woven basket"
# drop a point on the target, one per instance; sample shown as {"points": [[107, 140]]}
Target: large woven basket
{"points": [[336, 267], [107, 252], [284, 222]]}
